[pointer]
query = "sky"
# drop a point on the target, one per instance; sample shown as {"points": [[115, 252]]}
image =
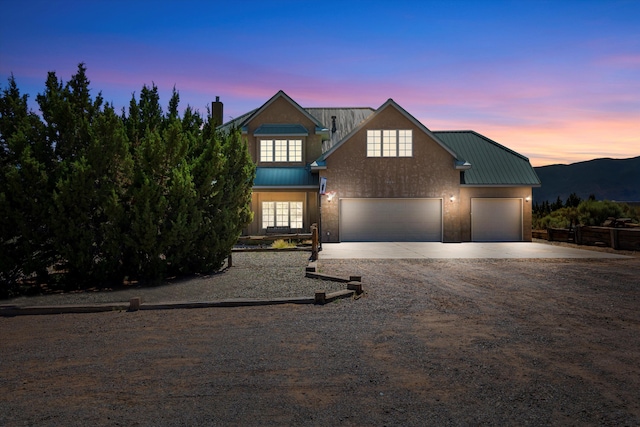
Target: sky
{"points": [[557, 81]]}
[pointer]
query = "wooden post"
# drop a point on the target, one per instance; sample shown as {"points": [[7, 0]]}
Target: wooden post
{"points": [[314, 242], [230, 261], [614, 238], [578, 235], [134, 304], [320, 297]]}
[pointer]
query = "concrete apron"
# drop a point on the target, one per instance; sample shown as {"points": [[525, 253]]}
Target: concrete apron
{"points": [[412, 250]]}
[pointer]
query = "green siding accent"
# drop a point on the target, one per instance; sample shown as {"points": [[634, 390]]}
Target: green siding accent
{"points": [[281, 129], [285, 178], [491, 163]]}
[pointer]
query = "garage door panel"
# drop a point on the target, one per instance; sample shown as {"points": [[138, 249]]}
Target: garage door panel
{"points": [[496, 220], [393, 220]]}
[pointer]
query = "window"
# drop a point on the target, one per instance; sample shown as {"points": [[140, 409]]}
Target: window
{"points": [[373, 143], [390, 143], [405, 143], [282, 214], [280, 150]]}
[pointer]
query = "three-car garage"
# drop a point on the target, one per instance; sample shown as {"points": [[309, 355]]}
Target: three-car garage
{"points": [[421, 219]]}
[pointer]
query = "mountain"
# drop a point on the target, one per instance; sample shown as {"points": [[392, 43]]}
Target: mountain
{"points": [[607, 179]]}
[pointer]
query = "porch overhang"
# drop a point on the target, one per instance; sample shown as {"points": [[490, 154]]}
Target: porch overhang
{"points": [[285, 179]]}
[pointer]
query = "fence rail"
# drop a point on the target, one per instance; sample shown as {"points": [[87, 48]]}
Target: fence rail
{"points": [[616, 238]]}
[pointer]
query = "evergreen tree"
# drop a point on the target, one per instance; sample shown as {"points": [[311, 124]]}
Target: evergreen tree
{"points": [[572, 201], [99, 196], [88, 203], [24, 192], [227, 195]]}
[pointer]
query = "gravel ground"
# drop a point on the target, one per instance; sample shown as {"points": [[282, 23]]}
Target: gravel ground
{"points": [[431, 342], [282, 271]]}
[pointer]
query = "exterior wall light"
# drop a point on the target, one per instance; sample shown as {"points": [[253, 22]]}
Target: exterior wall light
{"points": [[451, 199], [527, 199], [330, 195]]}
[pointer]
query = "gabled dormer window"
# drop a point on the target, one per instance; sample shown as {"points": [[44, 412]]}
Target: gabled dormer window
{"points": [[390, 143], [280, 150]]}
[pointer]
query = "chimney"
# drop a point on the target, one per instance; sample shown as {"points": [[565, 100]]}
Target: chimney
{"points": [[333, 124], [216, 112]]}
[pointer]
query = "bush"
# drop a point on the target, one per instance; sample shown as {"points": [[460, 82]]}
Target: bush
{"points": [[282, 244], [595, 212], [561, 218], [588, 212]]}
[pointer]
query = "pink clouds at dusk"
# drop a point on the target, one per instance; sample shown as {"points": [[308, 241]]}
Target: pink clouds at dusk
{"points": [[557, 81]]}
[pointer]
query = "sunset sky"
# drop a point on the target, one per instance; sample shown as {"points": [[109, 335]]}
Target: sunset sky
{"points": [[557, 81]]}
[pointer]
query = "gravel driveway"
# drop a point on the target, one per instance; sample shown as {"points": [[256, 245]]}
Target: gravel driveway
{"points": [[431, 342]]}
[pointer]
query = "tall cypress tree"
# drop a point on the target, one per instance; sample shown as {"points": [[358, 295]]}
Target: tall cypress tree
{"points": [[25, 184], [99, 196], [94, 169]]}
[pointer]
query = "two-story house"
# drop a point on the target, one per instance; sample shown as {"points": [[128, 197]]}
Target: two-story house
{"points": [[384, 176]]}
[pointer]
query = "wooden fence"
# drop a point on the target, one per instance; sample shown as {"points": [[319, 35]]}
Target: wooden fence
{"points": [[616, 238]]}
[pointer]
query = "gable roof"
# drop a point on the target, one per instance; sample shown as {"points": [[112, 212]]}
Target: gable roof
{"points": [[346, 119], [491, 163], [237, 122], [242, 121], [389, 104], [484, 161]]}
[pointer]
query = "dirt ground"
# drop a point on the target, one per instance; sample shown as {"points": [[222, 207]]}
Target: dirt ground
{"points": [[432, 342]]}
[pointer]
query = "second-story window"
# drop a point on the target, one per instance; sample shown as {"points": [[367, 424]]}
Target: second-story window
{"points": [[390, 143], [280, 150]]}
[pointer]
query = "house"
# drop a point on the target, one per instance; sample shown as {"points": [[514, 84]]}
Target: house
{"points": [[387, 176]]}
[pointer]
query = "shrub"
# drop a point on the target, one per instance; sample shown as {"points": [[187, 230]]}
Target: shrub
{"points": [[282, 244]]}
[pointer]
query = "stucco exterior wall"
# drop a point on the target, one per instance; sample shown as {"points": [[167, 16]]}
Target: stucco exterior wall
{"points": [[467, 193], [429, 173]]}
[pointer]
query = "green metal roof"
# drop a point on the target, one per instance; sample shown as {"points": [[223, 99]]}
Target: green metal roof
{"points": [[237, 122], [285, 178], [491, 163], [277, 129]]}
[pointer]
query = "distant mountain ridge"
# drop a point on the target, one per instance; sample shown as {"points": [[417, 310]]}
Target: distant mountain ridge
{"points": [[607, 179]]}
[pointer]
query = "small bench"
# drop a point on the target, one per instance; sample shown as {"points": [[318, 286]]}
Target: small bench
{"points": [[278, 230]]}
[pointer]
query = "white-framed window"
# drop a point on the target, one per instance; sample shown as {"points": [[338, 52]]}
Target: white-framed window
{"points": [[390, 143], [282, 214], [280, 150], [405, 143], [374, 144]]}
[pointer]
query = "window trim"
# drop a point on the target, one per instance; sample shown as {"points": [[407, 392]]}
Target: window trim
{"points": [[274, 216], [389, 143], [274, 149]]}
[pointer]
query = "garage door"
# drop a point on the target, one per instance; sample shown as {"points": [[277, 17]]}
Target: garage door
{"points": [[391, 220], [496, 220]]}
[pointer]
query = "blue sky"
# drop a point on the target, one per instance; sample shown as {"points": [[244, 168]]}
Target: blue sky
{"points": [[557, 81]]}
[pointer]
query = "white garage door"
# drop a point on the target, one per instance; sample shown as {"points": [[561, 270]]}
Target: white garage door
{"points": [[496, 220], [391, 220]]}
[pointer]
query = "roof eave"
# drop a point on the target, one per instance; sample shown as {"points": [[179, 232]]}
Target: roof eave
{"points": [[500, 185], [462, 165], [285, 187]]}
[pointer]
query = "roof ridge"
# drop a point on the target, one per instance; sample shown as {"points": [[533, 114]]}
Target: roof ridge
{"points": [[340, 108], [497, 144]]}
